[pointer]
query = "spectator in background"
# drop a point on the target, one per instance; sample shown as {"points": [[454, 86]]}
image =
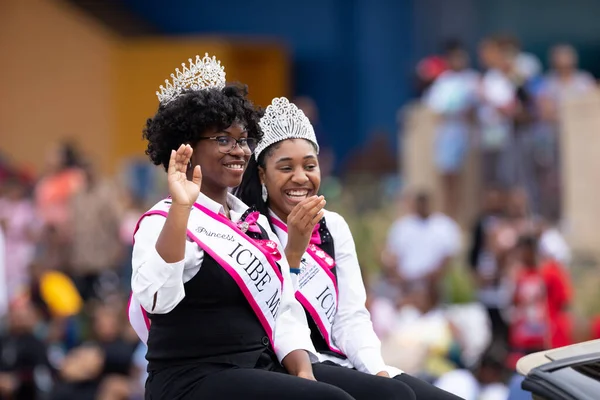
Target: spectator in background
{"points": [[492, 288], [518, 221], [133, 208], [497, 96], [452, 97], [21, 229], [522, 69], [427, 71], [484, 382], [564, 81], [96, 249], [529, 329], [3, 288], [63, 177], [108, 324], [418, 337], [525, 66], [24, 365], [421, 245], [79, 375], [558, 284], [553, 245]]}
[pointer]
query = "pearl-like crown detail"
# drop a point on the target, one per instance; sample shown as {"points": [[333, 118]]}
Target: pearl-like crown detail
{"points": [[206, 72], [284, 120]]}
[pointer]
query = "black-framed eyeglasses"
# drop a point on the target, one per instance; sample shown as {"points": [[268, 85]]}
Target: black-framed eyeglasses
{"points": [[227, 143]]}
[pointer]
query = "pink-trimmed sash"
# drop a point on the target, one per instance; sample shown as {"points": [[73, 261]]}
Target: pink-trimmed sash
{"points": [[317, 289], [250, 263]]}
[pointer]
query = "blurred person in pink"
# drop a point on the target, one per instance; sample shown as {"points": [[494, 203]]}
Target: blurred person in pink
{"points": [[94, 227], [21, 229], [453, 97], [3, 288], [63, 177]]}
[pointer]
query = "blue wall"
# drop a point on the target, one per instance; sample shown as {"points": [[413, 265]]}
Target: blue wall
{"points": [[351, 56]]}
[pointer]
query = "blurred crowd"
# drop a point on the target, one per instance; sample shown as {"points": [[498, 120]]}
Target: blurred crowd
{"points": [[509, 111], [518, 261], [519, 268], [66, 251], [66, 242]]}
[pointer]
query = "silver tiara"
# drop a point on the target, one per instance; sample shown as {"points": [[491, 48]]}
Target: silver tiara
{"points": [[205, 73], [283, 120]]}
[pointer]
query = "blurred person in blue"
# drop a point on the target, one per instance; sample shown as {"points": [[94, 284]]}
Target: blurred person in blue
{"points": [[453, 98], [281, 180], [210, 284]]}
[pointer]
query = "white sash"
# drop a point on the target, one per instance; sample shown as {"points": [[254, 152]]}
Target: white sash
{"points": [[245, 260], [317, 286]]}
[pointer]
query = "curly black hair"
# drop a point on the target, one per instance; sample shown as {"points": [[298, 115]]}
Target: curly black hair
{"points": [[189, 116]]}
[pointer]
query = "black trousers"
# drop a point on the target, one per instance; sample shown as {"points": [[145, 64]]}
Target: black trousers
{"points": [[230, 383], [424, 390], [362, 386]]}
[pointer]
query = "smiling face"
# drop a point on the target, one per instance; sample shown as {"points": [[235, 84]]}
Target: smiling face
{"points": [[291, 174], [221, 170]]}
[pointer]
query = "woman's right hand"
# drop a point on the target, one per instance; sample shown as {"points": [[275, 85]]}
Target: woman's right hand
{"points": [[183, 191], [300, 224]]}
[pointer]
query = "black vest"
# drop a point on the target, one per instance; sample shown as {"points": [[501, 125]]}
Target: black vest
{"points": [[328, 246], [213, 323]]}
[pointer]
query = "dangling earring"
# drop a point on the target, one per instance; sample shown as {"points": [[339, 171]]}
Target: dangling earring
{"points": [[265, 194]]}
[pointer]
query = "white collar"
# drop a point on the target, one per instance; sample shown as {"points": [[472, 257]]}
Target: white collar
{"points": [[236, 206], [274, 216]]}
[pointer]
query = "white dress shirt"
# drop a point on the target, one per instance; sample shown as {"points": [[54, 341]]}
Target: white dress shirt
{"points": [[420, 245], [352, 330], [153, 276]]}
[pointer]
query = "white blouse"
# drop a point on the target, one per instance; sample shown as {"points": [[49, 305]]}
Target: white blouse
{"points": [[152, 275], [352, 330]]}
